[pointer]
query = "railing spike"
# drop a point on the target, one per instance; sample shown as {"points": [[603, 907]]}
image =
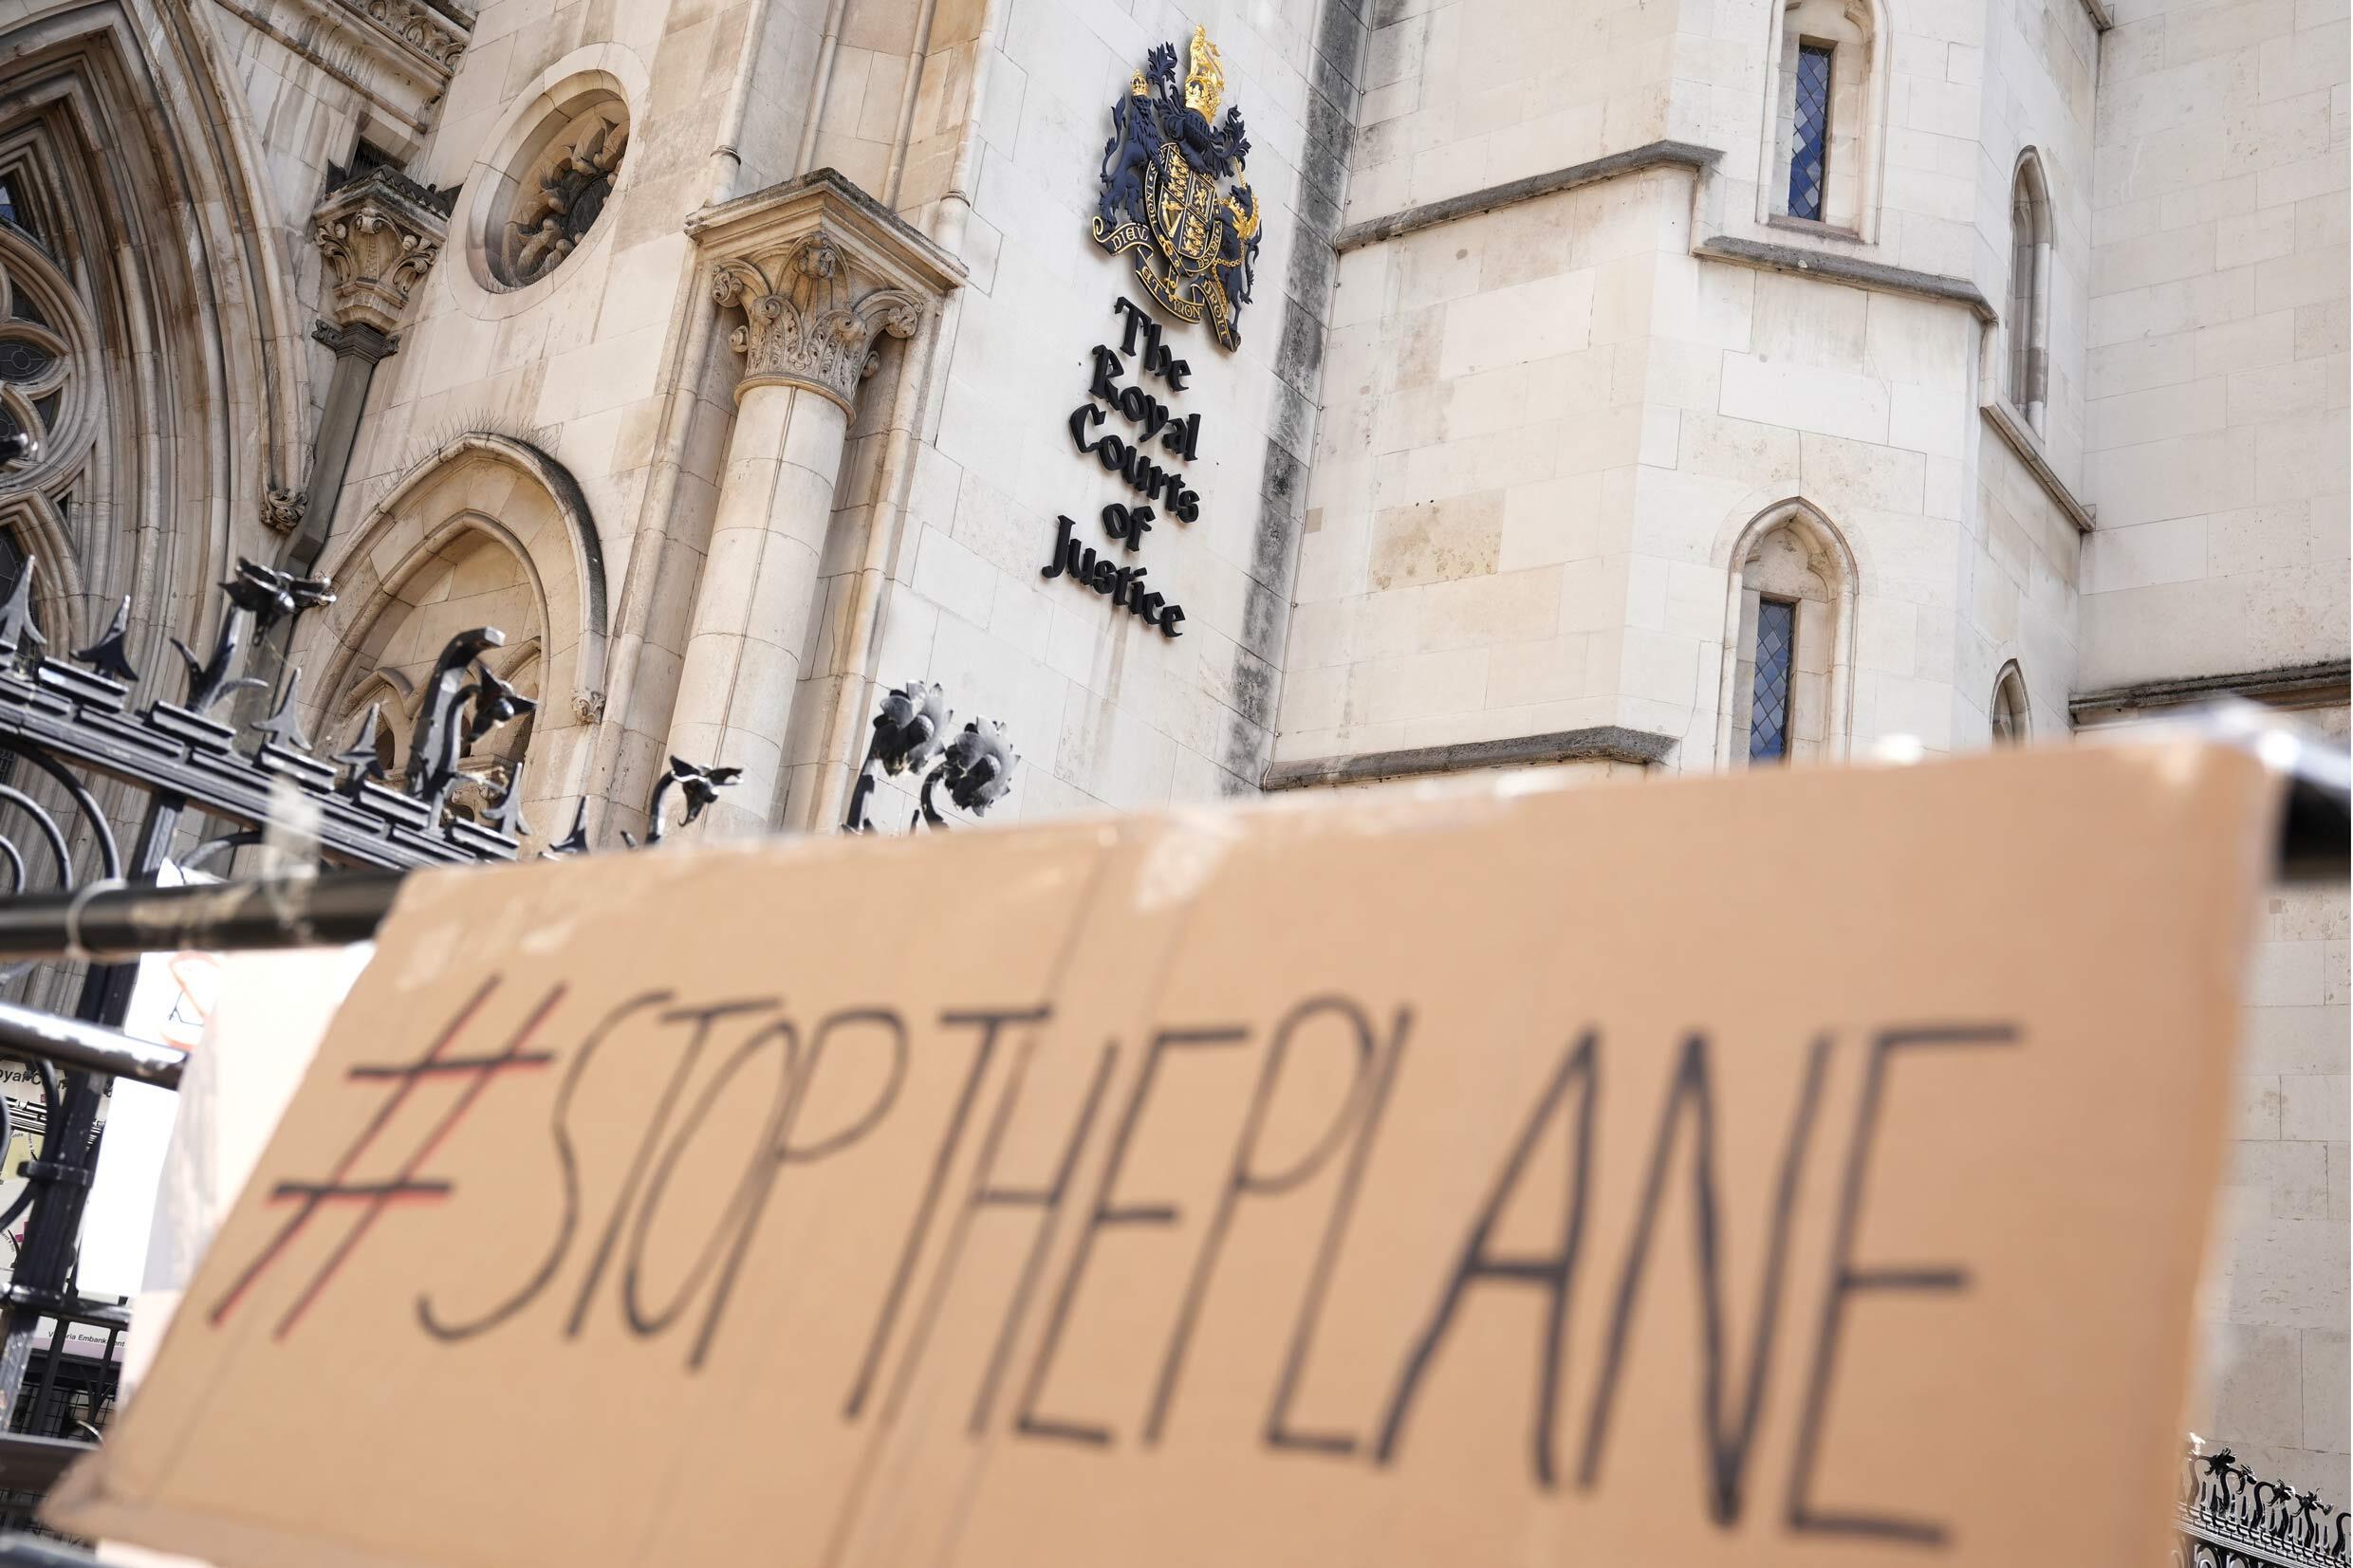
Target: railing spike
{"points": [[109, 656], [17, 630], [284, 727]]}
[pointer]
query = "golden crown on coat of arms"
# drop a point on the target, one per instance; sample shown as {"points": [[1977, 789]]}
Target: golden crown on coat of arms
{"points": [[1175, 194], [1205, 84]]}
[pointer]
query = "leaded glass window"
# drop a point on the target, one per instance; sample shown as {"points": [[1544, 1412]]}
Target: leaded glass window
{"points": [[1810, 131], [1768, 703], [34, 366], [21, 360], [15, 211], [2021, 292]]}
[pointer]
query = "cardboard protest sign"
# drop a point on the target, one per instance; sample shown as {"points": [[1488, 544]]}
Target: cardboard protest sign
{"points": [[1749, 1171]]}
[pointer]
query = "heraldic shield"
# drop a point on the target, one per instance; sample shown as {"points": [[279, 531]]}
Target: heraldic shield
{"points": [[1165, 190]]}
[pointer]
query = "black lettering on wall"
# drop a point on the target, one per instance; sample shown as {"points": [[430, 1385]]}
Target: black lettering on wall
{"points": [[1551, 1272], [1846, 1281], [1107, 1212], [1727, 1449], [567, 1164]]}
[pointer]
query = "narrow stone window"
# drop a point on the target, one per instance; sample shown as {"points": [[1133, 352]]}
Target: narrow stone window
{"points": [[2009, 717], [1789, 632], [1809, 132], [1821, 157], [2028, 328], [1769, 699]]}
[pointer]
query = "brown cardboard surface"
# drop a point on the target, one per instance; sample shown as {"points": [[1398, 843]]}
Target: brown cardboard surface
{"points": [[1757, 1171]]}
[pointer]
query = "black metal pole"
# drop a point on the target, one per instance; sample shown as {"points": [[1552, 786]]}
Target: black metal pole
{"points": [[265, 911], [70, 1043]]}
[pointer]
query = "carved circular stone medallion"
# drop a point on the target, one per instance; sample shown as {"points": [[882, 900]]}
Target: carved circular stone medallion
{"points": [[556, 188]]}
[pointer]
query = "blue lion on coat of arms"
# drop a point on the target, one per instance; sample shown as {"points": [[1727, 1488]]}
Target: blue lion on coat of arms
{"points": [[1195, 244]]}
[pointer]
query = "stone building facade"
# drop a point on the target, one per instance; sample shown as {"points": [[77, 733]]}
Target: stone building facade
{"points": [[1628, 387]]}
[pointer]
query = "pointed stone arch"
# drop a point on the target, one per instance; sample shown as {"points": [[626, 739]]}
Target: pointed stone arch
{"points": [[147, 254], [36, 524], [2025, 325], [2008, 712], [1790, 551], [486, 530]]}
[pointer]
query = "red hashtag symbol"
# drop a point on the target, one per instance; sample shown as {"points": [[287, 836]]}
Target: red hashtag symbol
{"points": [[376, 1196]]}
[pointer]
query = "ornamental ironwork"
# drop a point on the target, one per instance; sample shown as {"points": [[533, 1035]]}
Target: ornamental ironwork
{"points": [[2229, 1517], [914, 733]]}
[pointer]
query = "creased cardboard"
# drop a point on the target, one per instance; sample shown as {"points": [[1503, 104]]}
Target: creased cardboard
{"points": [[1759, 1170]]}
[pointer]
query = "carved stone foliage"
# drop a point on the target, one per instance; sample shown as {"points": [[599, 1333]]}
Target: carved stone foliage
{"points": [[812, 314], [559, 193], [431, 30], [380, 234]]}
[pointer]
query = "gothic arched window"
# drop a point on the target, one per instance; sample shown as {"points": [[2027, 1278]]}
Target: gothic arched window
{"points": [[2009, 716], [1789, 631], [2029, 326], [35, 362], [1827, 114]]}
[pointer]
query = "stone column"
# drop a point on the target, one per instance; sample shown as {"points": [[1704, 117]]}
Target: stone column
{"points": [[819, 273], [379, 231]]}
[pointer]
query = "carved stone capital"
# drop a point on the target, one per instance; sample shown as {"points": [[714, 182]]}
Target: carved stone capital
{"points": [[379, 234], [820, 271], [811, 316]]}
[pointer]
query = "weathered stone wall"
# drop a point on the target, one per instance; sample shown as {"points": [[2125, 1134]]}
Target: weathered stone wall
{"points": [[2217, 377], [1553, 408], [1462, 572], [2277, 1304], [1460, 95]]}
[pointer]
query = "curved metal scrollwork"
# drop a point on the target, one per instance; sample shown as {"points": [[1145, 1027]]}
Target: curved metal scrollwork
{"points": [[2234, 1517], [911, 736], [57, 839], [79, 710]]}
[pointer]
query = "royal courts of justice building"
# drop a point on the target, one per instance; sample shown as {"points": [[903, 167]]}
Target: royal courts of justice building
{"points": [[1228, 395]]}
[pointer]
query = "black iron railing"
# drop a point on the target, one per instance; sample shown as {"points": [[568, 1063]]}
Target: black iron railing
{"points": [[2229, 1517]]}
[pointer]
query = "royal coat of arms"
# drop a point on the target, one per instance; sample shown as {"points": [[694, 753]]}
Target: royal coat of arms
{"points": [[1165, 195]]}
